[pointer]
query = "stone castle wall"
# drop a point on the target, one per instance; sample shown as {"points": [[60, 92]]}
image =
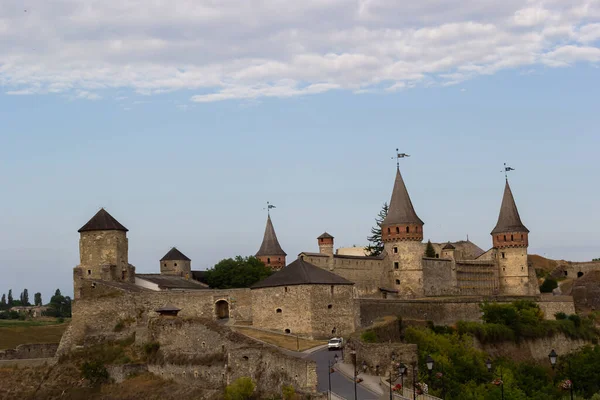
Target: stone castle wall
{"points": [[514, 272], [577, 269], [405, 263], [333, 310], [447, 311], [439, 277], [283, 308], [176, 267], [26, 351], [98, 248]]}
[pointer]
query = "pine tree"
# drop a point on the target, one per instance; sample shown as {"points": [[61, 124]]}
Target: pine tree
{"points": [[37, 299], [429, 250], [375, 246], [3, 304], [10, 298]]}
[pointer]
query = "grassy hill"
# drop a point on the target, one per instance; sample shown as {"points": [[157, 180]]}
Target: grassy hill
{"points": [[15, 332]]}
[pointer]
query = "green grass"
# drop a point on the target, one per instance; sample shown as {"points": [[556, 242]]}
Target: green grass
{"points": [[14, 332]]}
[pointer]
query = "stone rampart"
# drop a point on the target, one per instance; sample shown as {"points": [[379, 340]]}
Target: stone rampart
{"points": [[26, 351], [528, 350], [572, 269], [439, 277]]}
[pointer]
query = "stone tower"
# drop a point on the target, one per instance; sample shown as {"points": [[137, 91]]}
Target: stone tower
{"points": [[402, 235], [448, 251], [510, 239], [103, 251], [176, 263], [325, 244], [270, 251]]}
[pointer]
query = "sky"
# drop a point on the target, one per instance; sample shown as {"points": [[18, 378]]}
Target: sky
{"points": [[183, 118]]}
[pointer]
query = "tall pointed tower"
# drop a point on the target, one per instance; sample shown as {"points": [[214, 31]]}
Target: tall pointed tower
{"points": [[270, 251], [511, 239], [103, 251], [402, 235]]}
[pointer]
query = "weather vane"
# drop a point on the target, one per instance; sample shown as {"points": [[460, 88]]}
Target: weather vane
{"points": [[507, 170], [399, 156], [269, 207]]}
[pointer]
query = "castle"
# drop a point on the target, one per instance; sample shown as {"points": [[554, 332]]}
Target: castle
{"points": [[320, 294]]}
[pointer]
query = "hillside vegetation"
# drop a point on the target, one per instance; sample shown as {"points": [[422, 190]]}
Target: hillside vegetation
{"points": [[16, 332]]}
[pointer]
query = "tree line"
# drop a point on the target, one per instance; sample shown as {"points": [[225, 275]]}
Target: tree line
{"points": [[59, 305]]}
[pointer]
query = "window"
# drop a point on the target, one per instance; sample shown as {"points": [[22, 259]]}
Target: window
{"points": [[332, 290], [503, 255], [397, 281], [522, 237], [505, 238], [320, 240], [389, 231], [278, 258], [407, 229], [268, 261], [397, 230], [89, 271], [512, 237], [287, 331], [396, 265], [175, 264], [437, 255], [395, 249], [245, 358], [165, 264], [330, 306], [416, 229], [278, 311], [286, 289]]}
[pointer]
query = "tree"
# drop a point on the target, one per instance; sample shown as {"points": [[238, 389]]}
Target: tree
{"points": [[25, 298], [549, 285], [238, 272], [59, 306], [3, 304], [240, 389], [429, 250], [10, 298], [37, 299], [375, 246]]}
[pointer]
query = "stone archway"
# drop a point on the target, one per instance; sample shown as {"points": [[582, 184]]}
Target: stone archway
{"points": [[222, 309], [579, 274]]}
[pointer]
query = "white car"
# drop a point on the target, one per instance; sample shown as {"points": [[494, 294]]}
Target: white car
{"points": [[335, 344]]}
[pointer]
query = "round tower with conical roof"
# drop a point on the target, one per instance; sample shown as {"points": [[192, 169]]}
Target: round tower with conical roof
{"points": [[270, 251], [402, 235], [176, 263], [510, 239], [103, 251]]}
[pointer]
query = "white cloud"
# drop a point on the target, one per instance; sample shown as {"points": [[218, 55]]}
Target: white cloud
{"points": [[235, 49]]}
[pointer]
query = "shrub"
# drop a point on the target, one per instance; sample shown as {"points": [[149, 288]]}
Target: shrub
{"points": [[94, 372], [151, 348], [560, 315], [240, 389], [548, 285], [576, 320], [288, 391], [368, 336]]}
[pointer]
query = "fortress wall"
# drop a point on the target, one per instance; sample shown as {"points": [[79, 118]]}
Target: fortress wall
{"points": [[25, 351], [438, 277], [528, 350], [294, 303], [377, 356], [447, 311], [572, 269], [342, 314]]}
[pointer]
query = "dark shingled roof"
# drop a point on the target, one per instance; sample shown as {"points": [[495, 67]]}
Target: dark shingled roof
{"points": [[175, 255], [401, 210], [301, 272], [448, 246], [102, 221], [325, 236], [509, 219], [172, 281], [270, 245]]}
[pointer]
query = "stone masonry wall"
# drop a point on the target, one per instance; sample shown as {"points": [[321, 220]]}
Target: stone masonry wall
{"points": [[439, 277], [528, 350], [283, 308], [25, 351], [98, 248], [407, 275], [514, 272], [333, 310]]}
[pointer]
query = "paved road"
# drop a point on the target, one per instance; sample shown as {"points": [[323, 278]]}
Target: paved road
{"points": [[339, 383]]}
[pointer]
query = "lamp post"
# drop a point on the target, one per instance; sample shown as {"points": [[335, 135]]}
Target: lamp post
{"points": [[393, 357], [488, 364], [402, 370], [354, 363], [335, 360], [553, 358]]}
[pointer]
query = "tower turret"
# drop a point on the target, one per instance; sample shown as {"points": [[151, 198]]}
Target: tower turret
{"points": [[103, 251], [270, 251], [325, 244], [510, 238], [402, 234], [176, 263]]}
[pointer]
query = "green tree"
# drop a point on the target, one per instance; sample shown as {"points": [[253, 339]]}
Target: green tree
{"points": [[429, 250], [25, 298], [375, 246], [548, 285], [37, 299], [10, 298], [240, 389], [3, 305], [59, 306], [238, 272]]}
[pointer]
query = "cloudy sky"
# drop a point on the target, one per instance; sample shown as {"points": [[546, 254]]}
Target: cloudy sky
{"points": [[184, 117]]}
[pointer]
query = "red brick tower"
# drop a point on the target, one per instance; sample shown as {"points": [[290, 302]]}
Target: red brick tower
{"points": [[270, 251]]}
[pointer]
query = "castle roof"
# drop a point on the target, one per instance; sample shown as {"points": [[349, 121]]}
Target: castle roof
{"points": [[448, 246], [301, 272], [175, 255], [270, 245], [170, 282], [401, 210], [325, 236], [102, 221], [509, 219]]}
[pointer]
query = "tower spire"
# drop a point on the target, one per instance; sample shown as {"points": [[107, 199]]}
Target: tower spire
{"points": [[270, 251], [509, 219]]}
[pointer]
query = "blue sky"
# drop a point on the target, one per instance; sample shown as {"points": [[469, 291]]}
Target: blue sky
{"points": [[183, 161]]}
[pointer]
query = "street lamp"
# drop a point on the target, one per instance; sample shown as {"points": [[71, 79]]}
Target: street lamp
{"points": [[364, 366], [488, 364], [402, 370], [353, 353], [553, 358], [414, 365], [393, 357], [430, 363]]}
